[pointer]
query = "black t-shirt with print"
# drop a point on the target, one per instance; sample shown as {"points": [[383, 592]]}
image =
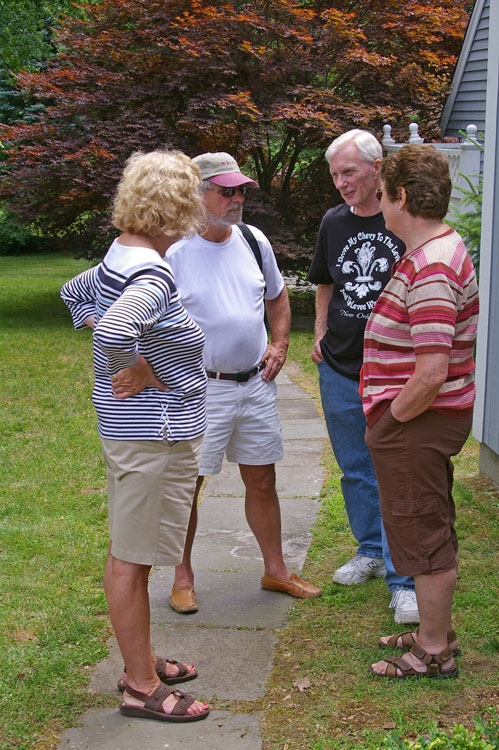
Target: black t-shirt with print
{"points": [[355, 254]]}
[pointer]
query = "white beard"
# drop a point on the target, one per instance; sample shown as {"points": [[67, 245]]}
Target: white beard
{"points": [[232, 215]]}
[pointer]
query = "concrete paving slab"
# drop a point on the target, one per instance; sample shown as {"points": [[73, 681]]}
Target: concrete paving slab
{"points": [[224, 514], [283, 378], [238, 551], [236, 618], [297, 409], [226, 599], [108, 730], [228, 482], [295, 429], [300, 452], [295, 481], [296, 476], [239, 650], [291, 390]]}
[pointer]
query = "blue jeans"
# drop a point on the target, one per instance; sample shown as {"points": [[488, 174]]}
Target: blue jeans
{"points": [[346, 426]]}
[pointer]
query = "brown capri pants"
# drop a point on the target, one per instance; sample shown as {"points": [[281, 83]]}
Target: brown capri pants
{"points": [[414, 471], [150, 486]]}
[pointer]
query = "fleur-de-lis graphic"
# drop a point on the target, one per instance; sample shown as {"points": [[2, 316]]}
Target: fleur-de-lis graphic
{"points": [[364, 268]]}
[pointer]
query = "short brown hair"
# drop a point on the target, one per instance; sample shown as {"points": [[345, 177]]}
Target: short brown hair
{"points": [[159, 193], [424, 174]]}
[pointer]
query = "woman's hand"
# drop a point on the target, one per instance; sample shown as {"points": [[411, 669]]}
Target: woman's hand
{"points": [[132, 380]]}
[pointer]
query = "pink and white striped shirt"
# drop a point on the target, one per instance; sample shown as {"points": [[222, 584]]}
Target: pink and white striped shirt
{"points": [[429, 305]]}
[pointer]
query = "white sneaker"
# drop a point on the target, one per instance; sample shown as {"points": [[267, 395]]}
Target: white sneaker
{"points": [[405, 604], [359, 570]]}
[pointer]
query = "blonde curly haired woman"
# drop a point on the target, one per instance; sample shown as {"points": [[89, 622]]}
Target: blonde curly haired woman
{"points": [[151, 439]]}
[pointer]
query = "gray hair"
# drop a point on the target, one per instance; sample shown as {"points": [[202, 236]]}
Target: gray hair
{"points": [[205, 185], [368, 145]]}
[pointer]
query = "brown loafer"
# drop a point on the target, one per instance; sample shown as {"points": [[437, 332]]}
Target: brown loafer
{"points": [[296, 586], [183, 599]]}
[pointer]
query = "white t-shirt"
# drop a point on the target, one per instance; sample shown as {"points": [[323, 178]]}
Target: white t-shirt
{"points": [[222, 289]]}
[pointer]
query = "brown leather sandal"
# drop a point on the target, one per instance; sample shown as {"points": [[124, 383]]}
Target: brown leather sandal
{"points": [[153, 705], [434, 663], [408, 641], [184, 674]]}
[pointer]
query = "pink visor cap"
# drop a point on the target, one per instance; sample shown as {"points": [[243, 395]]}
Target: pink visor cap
{"points": [[222, 169]]}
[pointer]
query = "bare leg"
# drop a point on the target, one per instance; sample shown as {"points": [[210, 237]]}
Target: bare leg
{"points": [[434, 593], [264, 516], [184, 575], [128, 600]]}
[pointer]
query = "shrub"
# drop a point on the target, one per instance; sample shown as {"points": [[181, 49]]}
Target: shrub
{"points": [[468, 217], [16, 239], [485, 736]]}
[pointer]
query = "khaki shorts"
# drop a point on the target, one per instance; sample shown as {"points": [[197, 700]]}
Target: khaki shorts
{"points": [[243, 423], [414, 471], [150, 489]]}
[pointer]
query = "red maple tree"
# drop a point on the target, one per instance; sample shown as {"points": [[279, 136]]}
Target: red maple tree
{"points": [[271, 81]]}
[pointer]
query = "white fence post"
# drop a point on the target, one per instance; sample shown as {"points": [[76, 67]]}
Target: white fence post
{"points": [[464, 158]]}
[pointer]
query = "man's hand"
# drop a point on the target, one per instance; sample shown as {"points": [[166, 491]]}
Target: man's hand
{"points": [[322, 300], [317, 353], [132, 380], [274, 358]]}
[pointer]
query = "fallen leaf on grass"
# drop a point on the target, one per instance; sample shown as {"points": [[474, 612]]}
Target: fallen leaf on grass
{"points": [[302, 684], [286, 697], [390, 725]]}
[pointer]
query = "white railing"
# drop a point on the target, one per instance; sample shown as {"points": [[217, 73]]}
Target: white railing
{"points": [[464, 157]]}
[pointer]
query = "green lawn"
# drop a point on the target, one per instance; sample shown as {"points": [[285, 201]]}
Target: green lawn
{"points": [[333, 639], [53, 526], [53, 539]]}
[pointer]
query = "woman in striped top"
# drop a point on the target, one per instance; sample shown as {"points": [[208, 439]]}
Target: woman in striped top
{"points": [[151, 440], [418, 390]]}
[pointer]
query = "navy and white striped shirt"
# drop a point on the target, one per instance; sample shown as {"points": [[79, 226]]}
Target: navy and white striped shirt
{"points": [[137, 310]]}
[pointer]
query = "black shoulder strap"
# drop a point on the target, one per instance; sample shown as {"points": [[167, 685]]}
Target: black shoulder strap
{"points": [[251, 240]]}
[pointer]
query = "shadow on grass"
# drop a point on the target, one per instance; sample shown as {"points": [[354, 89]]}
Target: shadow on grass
{"points": [[45, 309]]}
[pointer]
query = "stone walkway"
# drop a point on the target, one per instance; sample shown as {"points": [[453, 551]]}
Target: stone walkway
{"points": [[235, 627]]}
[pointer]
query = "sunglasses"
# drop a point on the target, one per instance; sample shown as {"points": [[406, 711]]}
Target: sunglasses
{"points": [[229, 192], [379, 194]]}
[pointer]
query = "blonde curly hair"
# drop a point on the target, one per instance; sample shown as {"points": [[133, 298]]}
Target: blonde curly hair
{"points": [[159, 194]]}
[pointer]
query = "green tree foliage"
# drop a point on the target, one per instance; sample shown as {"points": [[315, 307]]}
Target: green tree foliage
{"points": [[467, 215], [25, 30], [271, 81]]}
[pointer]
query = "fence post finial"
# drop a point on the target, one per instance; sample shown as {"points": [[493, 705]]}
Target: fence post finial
{"points": [[414, 134], [470, 139], [387, 139]]}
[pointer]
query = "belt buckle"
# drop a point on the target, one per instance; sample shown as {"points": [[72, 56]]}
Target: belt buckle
{"points": [[242, 377]]}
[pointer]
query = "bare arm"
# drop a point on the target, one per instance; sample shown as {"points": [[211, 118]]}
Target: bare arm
{"points": [[279, 317], [322, 300], [418, 393]]}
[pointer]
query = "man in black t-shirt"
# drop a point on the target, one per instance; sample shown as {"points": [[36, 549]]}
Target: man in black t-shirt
{"points": [[351, 265]]}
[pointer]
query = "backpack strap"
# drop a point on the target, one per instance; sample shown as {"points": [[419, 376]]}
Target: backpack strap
{"points": [[251, 240]]}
